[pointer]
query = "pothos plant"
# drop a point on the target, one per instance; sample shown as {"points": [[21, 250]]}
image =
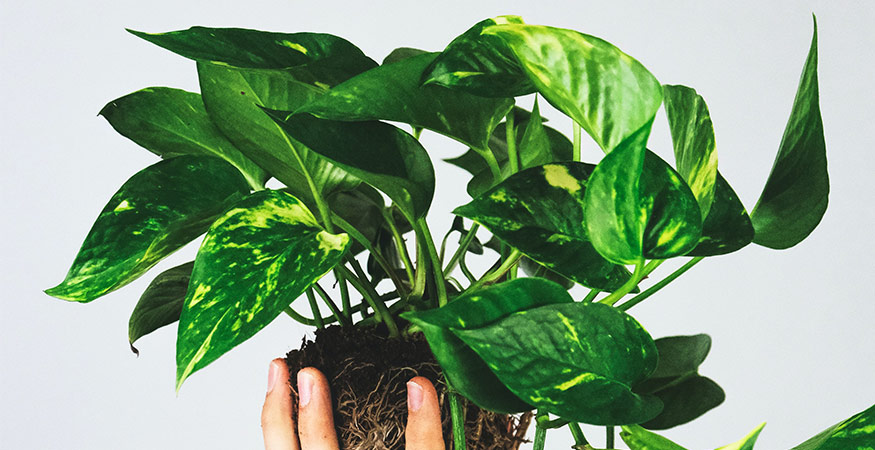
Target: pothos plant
{"points": [[313, 112]]}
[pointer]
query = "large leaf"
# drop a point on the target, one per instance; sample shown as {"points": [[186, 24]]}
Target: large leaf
{"points": [[315, 58], [392, 92], [857, 433], [693, 136], [576, 360], [232, 98], [540, 211], [466, 371], [172, 122], [256, 259], [797, 190], [480, 64], [638, 207], [160, 304], [378, 153], [610, 94], [154, 213], [728, 227]]}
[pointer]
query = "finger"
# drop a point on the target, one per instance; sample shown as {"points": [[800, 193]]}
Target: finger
{"points": [[423, 417], [276, 414], [315, 414]]}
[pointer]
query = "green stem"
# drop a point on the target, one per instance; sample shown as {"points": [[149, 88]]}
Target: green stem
{"points": [[591, 296], [344, 296], [342, 318], [324, 211], [467, 272], [513, 157], [491, 162], [463, 248], [661, 284], [362, 285], [312, 322], [434, 261], [576, 149], [457, 414], [627, 287], [540, 434], [315, 308], [490, 277], [609, 437], [399, 242], [381, 260], [577, 433]]}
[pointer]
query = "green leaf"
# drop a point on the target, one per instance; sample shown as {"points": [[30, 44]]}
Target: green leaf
{"points": [[535, 269], [480, 64], [392, 92], [610, 94], [637, 438], [728, 227], [540, 211], [681, 355], [747, 442], [315, 58], [575, 360], [857, 433], [160, 304], [255, 260], [154, 213], [465, 371], [638, 207], [232, 98], [378, 153], [401, 53], [693, 136], [797, 190], [171, 122]]}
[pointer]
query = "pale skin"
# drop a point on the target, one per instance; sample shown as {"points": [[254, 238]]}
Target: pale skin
{"points": [[316, 422]]}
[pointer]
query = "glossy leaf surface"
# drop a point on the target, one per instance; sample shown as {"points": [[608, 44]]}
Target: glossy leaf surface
{"points": [[154, 213], [728, 227], [638, 207], [378, 153], [465, 370], [610, 94], [480, 64], [575, 360], [637, 438], [160, 304], [392, 92], [797, 190], [172, 122], [540, 211], [692, 134], [856, 433], [255, 260]]}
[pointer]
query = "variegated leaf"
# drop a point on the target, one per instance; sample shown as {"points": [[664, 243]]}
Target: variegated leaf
{"points": [[728, 227], [747, 442], [637, 438], [576, 360], [857, 432], [154, 213], [160, 304], [610, 94], [540, 211], [255, 260]]}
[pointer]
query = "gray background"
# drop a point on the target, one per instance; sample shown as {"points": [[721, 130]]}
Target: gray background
{"points": [[792, 330]]}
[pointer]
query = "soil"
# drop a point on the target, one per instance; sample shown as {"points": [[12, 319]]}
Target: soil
{"points": [[368, 373]]}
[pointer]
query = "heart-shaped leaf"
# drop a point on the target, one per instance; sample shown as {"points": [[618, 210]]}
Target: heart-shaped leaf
{"points": [[154, 213], [576, 360], [638, 207], [540, 211], [172, 122], [392, 92], [160, 304], [797, 190], [610, 94], [858, 432], [480, 64], [465, 371], [378, 153], [255, 260]]}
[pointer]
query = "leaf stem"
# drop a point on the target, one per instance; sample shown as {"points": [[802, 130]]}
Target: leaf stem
{"points": [[540, 433], [575, 155], [320, 322], [489, 157], [381, 260], [661, 284], [344, 296], [513, 157], [626, 287], [577, 433], [399, 242], [609, 437], [463, 248], [457, 414], [593, 293], [490, 277], [434, 261], [371, 296], [342, 318]]}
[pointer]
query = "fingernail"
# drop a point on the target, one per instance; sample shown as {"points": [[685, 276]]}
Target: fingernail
{"points": [[305, 387], [272, 375], [414, 396]]}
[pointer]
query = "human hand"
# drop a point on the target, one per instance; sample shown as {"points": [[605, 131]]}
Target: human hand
{"points": [[316, 420]]}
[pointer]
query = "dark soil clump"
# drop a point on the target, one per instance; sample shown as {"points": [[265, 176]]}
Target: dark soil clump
{"points": [[368, 373]]}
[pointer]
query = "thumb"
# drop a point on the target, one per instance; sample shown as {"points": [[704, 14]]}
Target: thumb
{"points": [[423, 417]]}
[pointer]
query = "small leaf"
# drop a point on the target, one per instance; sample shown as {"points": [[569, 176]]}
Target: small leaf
{"points": [[392, 92], [465, 370], [681, 355], [154, 213], [728, 227], [747, 442], [172, 122], [797, 190], [610, 94], [638, 207], [376, 152], [685, 399], [575, 360], [160, 304], [535, 269], [401, 53], [257, 258], [637, 438], [693, 136], [540, 211], [858, 433], [480, 64]]}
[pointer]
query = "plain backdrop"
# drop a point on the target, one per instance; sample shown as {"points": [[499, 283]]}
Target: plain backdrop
{"points": [[792, 330]]}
